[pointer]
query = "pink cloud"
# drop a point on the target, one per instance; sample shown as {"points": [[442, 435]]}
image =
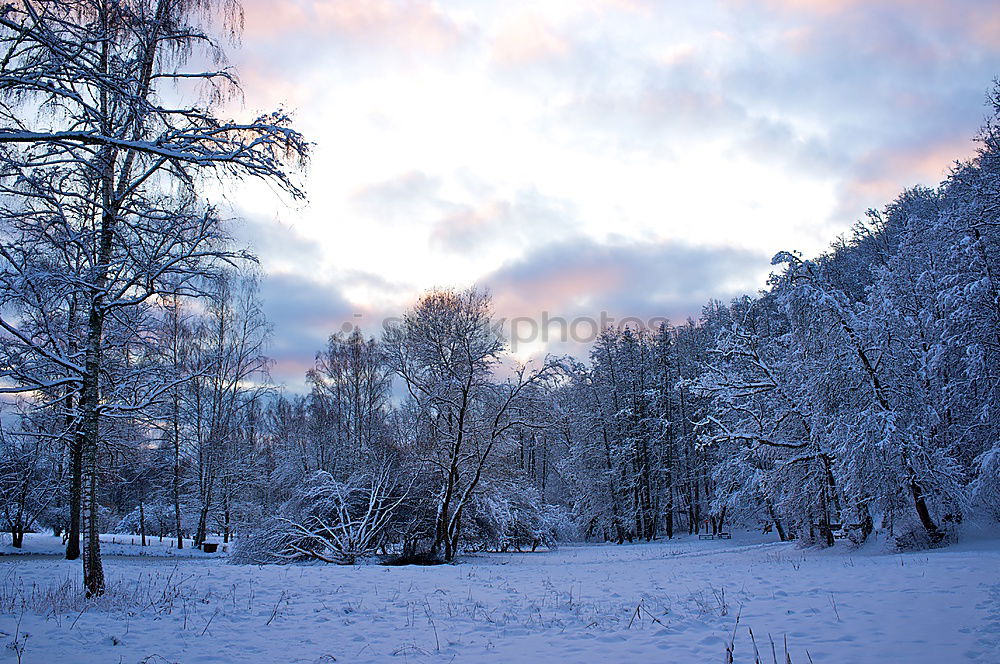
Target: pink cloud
{"points": [[527, 39], [977, 19], [887, 173], [823, 7], [264, 81], [559, 290], [412, 24], [624, 5], [986, 30], [465, 226], [263, 18], [406, 25]]}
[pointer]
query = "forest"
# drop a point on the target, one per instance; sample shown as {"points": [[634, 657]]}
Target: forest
{"points": [[858, 392]]}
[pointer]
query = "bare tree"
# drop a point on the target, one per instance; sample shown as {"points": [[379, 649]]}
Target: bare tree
{"points": [[446, 350], [231, 341], [29, 472], [351, 382]]}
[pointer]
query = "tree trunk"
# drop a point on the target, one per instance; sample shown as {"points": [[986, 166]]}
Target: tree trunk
{"points": [[93, 570], [142, 523], [867, 526], [177, 470], [456, 531], [777, 522], [89, 436], [696, 501], [202, 531], [75, 499], [668, 513], [668, 516], [924, 513], [825, 531], [444, 527], [443, 534], [75, 452]]}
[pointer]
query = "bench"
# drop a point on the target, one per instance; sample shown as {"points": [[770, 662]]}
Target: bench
{"points": [[702, 536], [725, 536]]}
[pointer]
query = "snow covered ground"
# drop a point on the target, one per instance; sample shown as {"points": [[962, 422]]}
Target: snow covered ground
{"points": [[111, 545], [671, 601]]}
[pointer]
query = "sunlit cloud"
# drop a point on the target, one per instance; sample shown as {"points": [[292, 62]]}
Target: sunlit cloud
{"points": [[528, 39], [407, 25]]}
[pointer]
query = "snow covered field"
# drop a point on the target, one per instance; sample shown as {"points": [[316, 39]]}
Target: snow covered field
{"points": [[111, 545], [675, 601]]}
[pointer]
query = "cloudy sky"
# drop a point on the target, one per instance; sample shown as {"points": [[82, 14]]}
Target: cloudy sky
{"points": [[577, 156]]}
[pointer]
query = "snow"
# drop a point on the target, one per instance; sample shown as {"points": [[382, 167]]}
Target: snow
{"points": [[111, 545], [576, 604]]}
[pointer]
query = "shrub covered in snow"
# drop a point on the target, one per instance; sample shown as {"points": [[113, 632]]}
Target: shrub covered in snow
{"points": [[986, 488], [326, 519], [512, 515]]}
